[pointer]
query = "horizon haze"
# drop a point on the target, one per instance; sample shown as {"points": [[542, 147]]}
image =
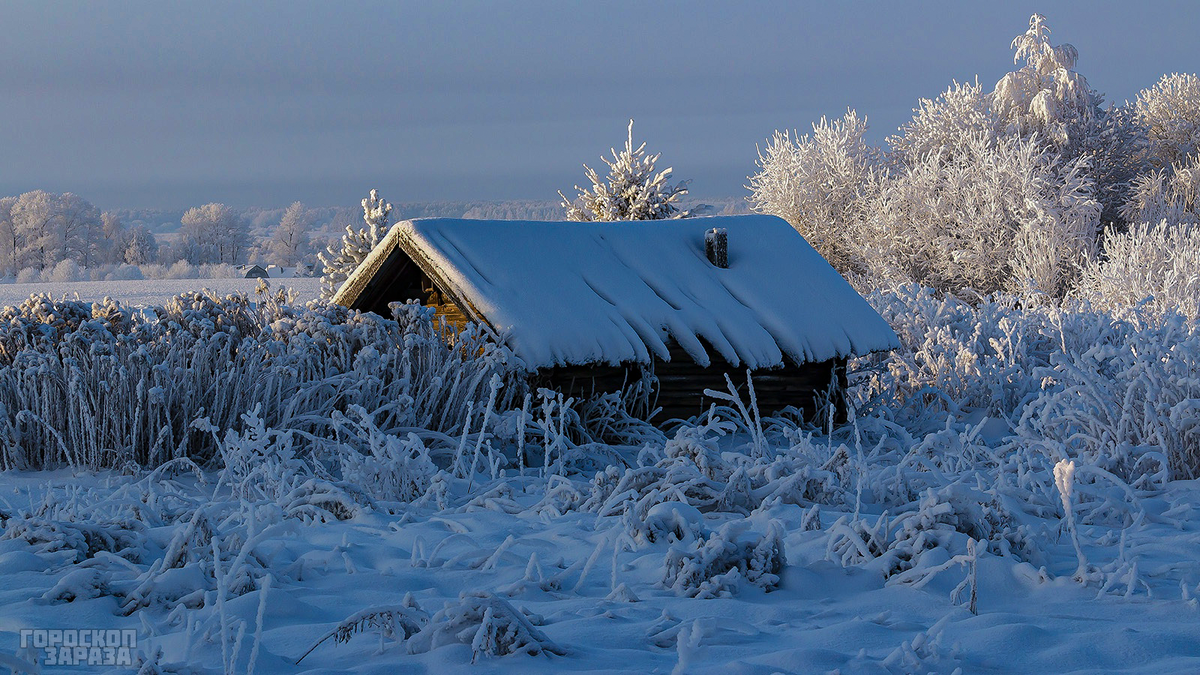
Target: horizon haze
{"points": [[144, 105]]}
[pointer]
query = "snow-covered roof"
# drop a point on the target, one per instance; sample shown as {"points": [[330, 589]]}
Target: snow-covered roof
{"points": [[584, 293]]}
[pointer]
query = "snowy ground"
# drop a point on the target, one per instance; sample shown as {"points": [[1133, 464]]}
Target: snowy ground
{"points": [[593, 590], [142, 293]]}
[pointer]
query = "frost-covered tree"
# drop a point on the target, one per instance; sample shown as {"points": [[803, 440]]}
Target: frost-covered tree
{"points": [[109, 246], [342, 257], [939, 124], [1170, 112], [214, 233], [1046, 96], [823, 184], [1048, 99], [289, 241], [140, 247], [48, 228], [989, 213], [633, 189], [9, 240]]}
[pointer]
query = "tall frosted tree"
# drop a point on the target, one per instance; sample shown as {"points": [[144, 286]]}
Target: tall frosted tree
{"points": [[823, 184], [214, 233], [109, 246], [140, 247], [633, 189], [342, 257], [9, 239], [48, 228], [289, 241]]}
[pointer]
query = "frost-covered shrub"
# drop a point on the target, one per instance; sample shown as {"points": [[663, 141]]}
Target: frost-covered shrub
{"points": [[633, 189], [263, 465], [715, 567], [384, 466], [1152, 266], [938, 125], [946, 517], [957, 356], [1170, 112], [125, 272], [490, 625], [82, 539], [67, 270], [1171, 194], [1067, 380], [673, 522], [824, 185], [690, 471], [1126, 404], [29, 275], [988, 214]]}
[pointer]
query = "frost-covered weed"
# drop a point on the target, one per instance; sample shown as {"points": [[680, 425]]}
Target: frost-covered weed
{"points": [[489, 624], [392, 622], [715, 567], [96, 385]]}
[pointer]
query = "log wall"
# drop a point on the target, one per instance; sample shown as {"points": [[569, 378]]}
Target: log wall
{"points": [[681, 384]]}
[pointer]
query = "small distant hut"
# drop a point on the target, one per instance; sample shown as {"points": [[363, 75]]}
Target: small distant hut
{"points": [[590, 307], [254, 272]]}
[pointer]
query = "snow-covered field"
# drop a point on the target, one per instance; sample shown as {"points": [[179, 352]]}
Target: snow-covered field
{"points": [[587, 589], [1012, 496], [149, 292], [593, 589]]}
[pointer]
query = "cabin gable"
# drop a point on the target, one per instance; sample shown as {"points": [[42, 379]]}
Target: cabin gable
{"points": [[399, 278]]}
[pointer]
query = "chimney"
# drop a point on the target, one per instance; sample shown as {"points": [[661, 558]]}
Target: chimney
{"points": [[716, 247]]}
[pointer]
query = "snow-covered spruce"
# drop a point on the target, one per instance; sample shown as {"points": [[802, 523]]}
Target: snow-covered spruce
{"points": [[343, 257], [633, 189]]}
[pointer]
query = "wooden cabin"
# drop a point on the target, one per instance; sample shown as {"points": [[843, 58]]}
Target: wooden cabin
{"points": [[590, 307]]}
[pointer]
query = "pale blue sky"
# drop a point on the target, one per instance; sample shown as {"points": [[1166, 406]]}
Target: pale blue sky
{"points": [[156, 104]]}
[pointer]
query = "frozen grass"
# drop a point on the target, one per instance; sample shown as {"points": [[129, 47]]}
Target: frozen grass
{"points": [[374, 494]]}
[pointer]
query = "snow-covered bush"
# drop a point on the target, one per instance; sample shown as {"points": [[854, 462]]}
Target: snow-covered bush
{"points": [[489, 624], [715, 567], [67, 270], [1171, 195], [633, 189], [824, 185], [1170, 112], [342, 257], [987, 213], [1154, 267], [1126, 404], [939, 124]]}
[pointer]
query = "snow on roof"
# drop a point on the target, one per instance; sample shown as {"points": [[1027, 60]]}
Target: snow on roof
{"points": [[620, 292]]}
